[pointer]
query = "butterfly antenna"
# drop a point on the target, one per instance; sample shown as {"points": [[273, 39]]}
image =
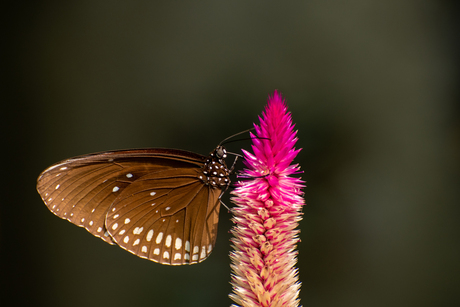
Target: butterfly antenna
{"points": [[254, 137], [236, 134]]}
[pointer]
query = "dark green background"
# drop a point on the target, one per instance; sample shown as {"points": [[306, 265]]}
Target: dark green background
{"points": [[372, 87]]}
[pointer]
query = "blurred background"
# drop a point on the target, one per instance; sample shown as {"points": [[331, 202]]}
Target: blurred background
{"points": [[373, 90]]}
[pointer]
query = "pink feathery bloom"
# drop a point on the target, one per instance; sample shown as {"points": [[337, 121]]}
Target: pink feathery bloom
{"points": [[267, 212]]}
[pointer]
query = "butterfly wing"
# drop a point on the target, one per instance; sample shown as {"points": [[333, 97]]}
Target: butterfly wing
{"points": [[151, 202], [167, 216]]}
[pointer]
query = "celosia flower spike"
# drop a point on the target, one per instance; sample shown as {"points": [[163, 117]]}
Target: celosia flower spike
{"points": [[267, 212]]}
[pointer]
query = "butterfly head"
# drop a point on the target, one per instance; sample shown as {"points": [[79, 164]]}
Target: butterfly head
{"points": [[220, 152]]}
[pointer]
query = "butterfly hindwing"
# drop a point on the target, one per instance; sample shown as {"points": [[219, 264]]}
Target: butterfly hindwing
{"points": [[162, 215]]}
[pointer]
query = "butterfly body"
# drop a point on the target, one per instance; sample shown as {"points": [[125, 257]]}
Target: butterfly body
{"points": [[159, 204]]}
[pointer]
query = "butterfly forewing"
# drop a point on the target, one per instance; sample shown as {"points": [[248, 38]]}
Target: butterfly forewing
{"points": [[81, 194], [155, 203]]}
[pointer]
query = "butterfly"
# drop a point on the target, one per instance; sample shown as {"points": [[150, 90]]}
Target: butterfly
{"points": [[159, 204]]}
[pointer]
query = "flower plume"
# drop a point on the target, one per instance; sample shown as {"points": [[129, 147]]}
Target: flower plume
{"points": [[267, 212]]}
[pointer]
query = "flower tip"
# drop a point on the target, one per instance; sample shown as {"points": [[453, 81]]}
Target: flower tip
{"points": [[277, 98]]}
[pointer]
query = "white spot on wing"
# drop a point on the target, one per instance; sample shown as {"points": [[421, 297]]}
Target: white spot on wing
{"points": [[144, 249], [159, 238], [114, 226], [168, 241], [187, 256], [122, 232], [187, 246], [177, 256], [116, 216], [115, 189], [178, 244], [156, 251], [99, 229], [126, 239], [138, 231], [57, 187], [196, 249], [149, 235], [136, 242], [127, 220], [203, 252], [195, 257], [209, 248], [129, 175], [152, 193]]}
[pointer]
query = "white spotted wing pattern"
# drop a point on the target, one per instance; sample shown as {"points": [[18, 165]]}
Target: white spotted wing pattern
{"points": [[159, 204]]}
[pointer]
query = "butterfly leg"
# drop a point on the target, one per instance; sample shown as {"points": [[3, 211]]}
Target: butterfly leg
{"points": [[226, 188], [220, 196], [234, 163], [223, 204]]}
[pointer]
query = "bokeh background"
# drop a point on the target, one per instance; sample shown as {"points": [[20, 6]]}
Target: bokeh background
{"points": [[373, 90]]}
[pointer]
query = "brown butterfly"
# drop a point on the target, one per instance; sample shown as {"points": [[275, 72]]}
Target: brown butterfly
{"points": [[159, 204]]}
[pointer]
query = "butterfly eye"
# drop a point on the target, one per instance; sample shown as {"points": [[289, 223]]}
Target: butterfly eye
{"points": [[221, 152]]}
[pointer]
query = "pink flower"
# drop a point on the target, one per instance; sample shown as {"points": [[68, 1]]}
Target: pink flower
{"points": [[267, 212]]}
